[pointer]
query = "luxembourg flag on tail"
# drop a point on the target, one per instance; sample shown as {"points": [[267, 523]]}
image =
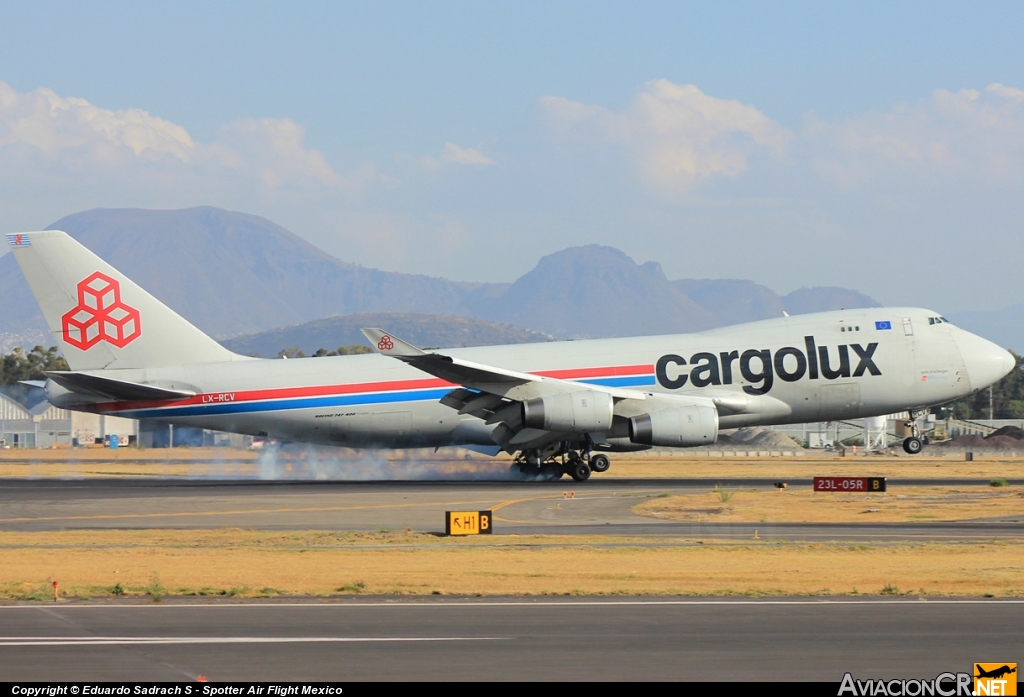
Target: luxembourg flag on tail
{"points": [[18, 240]]}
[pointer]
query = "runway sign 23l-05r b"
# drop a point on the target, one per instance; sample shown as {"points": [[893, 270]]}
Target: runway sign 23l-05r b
{"points": [[468, 522], [864, 485]]}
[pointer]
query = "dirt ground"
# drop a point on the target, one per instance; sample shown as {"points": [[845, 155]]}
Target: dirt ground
{"points": [[899, 505], [93, 564]]}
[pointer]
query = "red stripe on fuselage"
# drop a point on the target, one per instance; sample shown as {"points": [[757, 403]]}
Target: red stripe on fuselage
{"points": [[607, 372], [323, 390]]}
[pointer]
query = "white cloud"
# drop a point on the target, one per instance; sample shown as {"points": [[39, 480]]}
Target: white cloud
{"points": [[464, 156], [961, 135], [54, 125], [452, 154], [676, 134], [274, 148], [45, 135]]}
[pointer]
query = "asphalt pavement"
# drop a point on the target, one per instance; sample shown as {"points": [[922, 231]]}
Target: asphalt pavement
{"points": [[564, 508], [509, 639]]}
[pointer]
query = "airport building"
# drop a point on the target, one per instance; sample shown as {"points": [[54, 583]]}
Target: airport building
{"points": [[41, 426], [45, 426]]}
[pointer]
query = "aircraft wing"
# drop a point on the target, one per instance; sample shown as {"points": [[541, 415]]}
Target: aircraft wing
{"points": [[483, 378], [489, 392]]}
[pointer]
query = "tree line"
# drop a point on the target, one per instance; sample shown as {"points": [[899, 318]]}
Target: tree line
{"points": [[350, 350], [1007, 398], [21, 365]]}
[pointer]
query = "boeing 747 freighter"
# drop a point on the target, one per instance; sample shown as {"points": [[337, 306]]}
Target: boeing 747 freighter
{"points": [[557, 407]]}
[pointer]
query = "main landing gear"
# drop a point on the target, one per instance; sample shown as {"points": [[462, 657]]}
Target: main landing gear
{"points": [[915, 443], [558, 460]]}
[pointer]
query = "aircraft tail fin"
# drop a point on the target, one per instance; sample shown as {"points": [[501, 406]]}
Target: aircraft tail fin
{"points": [[98, 316]]}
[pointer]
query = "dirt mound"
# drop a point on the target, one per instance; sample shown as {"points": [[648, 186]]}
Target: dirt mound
{"points": [[968, 442], [1007, 431], [1003, 442], [975, 442]]}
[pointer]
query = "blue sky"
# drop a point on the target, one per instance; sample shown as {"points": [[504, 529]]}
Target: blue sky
{"points": [[873, 146]]}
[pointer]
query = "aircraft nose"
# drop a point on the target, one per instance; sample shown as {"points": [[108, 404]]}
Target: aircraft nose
{"points": [[986, 362]]}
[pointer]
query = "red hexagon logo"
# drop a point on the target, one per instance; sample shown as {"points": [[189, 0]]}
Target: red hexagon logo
{"points": [[101, 315]]}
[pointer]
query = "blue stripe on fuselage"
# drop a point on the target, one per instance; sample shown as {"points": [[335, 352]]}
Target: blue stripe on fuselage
{"points": [[631, 381], [337, 401]]}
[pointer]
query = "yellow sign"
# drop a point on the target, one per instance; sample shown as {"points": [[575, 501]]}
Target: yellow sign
{"points": [[468, 522], [995, 679]]}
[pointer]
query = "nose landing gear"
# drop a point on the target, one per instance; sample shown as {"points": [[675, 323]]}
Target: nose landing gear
{"points": [[914, 444]]}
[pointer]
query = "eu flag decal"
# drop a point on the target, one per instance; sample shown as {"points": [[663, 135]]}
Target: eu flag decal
{"points": [[883, 325]]}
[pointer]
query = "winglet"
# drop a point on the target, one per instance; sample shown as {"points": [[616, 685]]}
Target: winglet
{"points": [[389, 344]]}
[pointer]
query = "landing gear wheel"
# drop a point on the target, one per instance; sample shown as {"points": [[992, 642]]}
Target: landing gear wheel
{"points": [[600, 463], [913, 445], [580, 471]]}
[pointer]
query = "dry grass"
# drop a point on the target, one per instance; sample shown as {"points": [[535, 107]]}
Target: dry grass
{"points": [[253, 563], [225, 462], [809, 465], [903, 505]]}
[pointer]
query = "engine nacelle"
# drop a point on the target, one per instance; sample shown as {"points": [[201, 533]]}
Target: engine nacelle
{"points": [[676, 428], [576, 412]]}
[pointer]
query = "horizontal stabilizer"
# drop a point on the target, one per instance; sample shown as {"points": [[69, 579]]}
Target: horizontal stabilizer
{"points": [[120, 390]]}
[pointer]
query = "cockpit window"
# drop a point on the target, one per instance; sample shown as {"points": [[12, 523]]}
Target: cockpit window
{"points": [[938, 320]]}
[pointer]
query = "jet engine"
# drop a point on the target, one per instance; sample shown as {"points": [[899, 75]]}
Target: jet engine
{"points": [[574, 412], [675, 428]]}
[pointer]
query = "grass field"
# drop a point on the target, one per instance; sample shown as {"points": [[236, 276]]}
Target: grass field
{"points": [[902, 505], [158, 563]]}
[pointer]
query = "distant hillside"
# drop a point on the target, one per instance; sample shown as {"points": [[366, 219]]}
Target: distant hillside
{"points": [[437, 331], [232, 274], [732, 301], [229, 273], [824, 298], [595, 291]]}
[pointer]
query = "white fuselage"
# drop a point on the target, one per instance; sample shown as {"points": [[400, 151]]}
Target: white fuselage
{"points": [[819, 367]]}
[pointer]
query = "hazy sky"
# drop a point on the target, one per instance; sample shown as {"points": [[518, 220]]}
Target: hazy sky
{"points": [[878, 146]]}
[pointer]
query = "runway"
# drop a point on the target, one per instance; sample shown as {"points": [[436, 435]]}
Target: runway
{"points": [[509, 639], [596, 508]]}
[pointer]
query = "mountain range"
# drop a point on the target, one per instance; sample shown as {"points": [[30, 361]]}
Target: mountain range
{"points": [[430, 331], [235, 274]]}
